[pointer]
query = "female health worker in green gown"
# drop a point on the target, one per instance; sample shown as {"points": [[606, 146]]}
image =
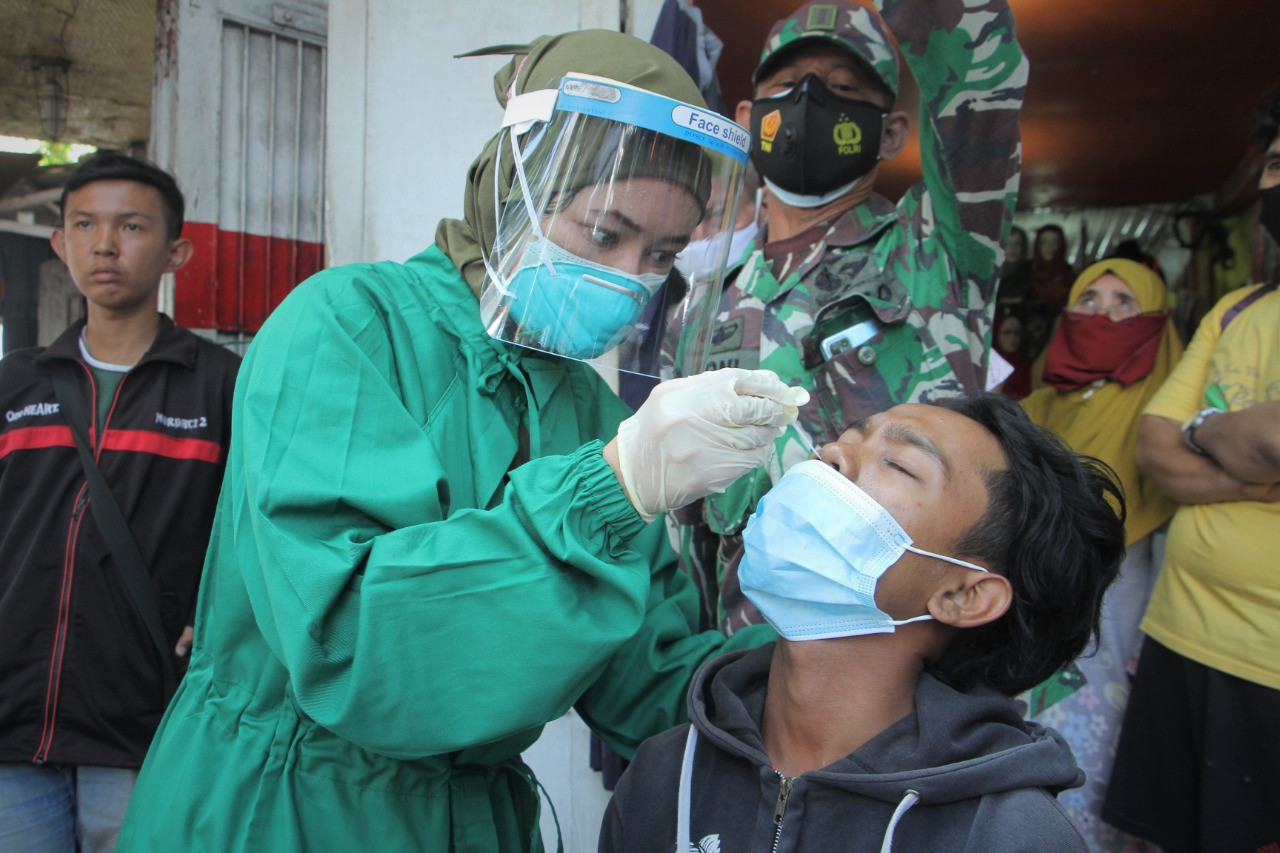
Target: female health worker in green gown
{"points": [[437, 530]]}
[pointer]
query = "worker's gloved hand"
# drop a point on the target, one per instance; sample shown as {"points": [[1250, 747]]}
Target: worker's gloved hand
{"points": [[696, 435]]}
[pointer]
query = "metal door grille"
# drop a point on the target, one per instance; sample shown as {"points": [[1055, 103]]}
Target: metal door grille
{"points": [[271, 171]]}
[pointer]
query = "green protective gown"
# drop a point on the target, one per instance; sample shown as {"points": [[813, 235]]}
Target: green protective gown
{"points": [[393, 605]]}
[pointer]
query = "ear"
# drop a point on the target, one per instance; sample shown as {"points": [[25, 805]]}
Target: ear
{"points": [[894, 134], [743, 115], [179, 253], [59, 243], [969, 599]]}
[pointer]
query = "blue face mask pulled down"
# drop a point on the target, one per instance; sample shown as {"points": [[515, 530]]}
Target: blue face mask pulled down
{"points": [[814, 551], [574, 306]]}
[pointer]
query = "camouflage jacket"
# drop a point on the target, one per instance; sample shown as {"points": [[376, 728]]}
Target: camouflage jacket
{"points": [[923, 272]]}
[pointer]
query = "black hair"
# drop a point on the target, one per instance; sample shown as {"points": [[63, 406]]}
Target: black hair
{"points": [[1054, 527], [1131, 250], [1266, 124], [117, 166]]}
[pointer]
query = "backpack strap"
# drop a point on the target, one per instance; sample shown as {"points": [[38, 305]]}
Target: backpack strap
{"points": [[1234, 310]]}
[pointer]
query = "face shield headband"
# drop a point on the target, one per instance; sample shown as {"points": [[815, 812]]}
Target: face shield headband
{"points": [[610, 183]]}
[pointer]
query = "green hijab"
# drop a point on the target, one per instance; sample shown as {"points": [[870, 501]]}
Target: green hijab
{"points": [[540, 65]]}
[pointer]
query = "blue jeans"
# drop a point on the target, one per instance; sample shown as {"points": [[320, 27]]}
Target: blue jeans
{"points": [[61, 808]]}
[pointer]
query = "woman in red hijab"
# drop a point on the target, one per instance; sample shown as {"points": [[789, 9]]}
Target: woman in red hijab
{"points": [[1051, 275], [1007, 339]]}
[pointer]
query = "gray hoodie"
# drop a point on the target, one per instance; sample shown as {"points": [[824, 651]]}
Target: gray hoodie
{"points": [[962, 773]]}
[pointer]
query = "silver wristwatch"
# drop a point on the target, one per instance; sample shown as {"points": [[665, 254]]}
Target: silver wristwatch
{"points": [[1191, 424]]}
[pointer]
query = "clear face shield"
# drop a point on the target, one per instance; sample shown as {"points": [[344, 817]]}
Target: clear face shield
{"points": [[610, 184]]}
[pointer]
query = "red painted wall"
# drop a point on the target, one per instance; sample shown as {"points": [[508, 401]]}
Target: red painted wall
{"points": [[234, 280]]}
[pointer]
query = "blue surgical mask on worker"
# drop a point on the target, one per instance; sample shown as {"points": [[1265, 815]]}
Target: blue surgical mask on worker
{"points": [[581, 308], [814, 551], [812, 145]]}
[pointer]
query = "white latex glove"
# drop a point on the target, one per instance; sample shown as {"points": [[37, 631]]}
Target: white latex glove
{"points": [[696, 435]]}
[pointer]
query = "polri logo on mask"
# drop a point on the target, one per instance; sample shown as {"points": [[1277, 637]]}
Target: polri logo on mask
{"points": [[848, 136]]}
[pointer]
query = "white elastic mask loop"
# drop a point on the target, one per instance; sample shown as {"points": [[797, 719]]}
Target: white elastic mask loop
{"points": [[518, 157]]}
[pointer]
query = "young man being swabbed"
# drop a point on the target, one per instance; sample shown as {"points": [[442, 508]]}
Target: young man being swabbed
{"points": [[932, 563]]}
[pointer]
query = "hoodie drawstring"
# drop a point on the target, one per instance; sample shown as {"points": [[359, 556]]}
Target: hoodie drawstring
{"points": [[909, 799], [685, 795], [685, 792]]}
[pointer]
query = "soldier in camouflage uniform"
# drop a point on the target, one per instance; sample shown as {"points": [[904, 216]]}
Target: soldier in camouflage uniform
{"points": [[902, 294]]}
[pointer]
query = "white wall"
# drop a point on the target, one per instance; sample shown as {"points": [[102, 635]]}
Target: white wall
{"points": [[405, 121]]}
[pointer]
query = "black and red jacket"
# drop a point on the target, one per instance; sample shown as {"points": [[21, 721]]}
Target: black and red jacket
{"points": [[80, 679]]}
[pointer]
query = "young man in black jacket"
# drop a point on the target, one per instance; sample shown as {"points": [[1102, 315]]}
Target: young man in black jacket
{"points": [[83, 680], [933, 562]]}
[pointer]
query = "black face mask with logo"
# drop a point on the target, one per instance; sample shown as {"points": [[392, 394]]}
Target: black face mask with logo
{"points": [[810, 141], [1269, 211]]}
